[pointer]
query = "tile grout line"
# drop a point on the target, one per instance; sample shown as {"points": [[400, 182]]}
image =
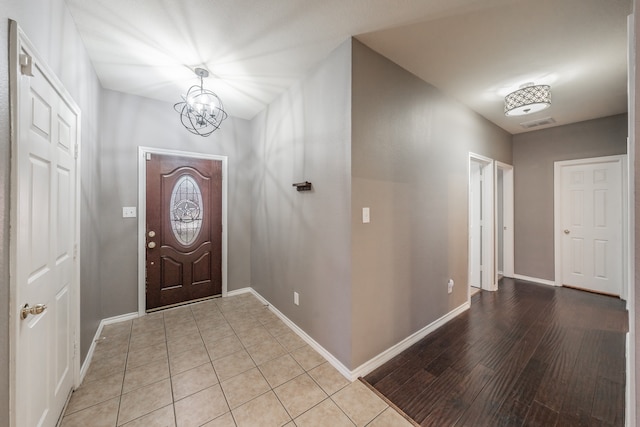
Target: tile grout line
{"points": [[274, 331]]}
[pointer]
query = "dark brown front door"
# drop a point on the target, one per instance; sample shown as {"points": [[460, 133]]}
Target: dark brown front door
{"points": [[184, 229]]}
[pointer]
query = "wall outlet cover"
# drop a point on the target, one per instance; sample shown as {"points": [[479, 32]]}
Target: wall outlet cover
{"points": [[129, 212]]}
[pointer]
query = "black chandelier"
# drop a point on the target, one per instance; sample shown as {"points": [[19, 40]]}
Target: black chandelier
{"points": [[201, 110]]}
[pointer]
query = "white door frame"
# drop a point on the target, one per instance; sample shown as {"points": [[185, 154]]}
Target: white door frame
{"points": [[18, 42], [557, 219], [488, 234], [507, 219], [142, 215], [631, 385]]}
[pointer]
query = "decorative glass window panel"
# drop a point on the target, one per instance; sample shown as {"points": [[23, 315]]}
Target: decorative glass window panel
{"points": [[186, 210]]}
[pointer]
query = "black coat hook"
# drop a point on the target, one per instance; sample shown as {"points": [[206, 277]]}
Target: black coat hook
{"points": [[302, 186]]}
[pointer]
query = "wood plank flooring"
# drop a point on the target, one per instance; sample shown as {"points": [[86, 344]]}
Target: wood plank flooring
{"points": [[527, 355]]}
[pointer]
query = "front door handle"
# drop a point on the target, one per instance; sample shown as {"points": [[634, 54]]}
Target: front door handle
{"points": [[35, 310], [566, 232]]}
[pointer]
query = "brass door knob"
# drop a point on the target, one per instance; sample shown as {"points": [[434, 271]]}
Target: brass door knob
{"points": [[35, 310]]}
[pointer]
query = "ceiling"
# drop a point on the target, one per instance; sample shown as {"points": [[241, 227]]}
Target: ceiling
{"points": [[474, 50]]}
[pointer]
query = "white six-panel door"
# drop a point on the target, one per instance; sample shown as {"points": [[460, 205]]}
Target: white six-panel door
{"points": [[590, 228], [43, 239]]}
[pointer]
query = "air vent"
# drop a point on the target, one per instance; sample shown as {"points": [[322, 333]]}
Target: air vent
{"points": [[539, 122]]}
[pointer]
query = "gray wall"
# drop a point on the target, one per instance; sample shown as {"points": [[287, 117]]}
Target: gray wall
{"points": [[534, 154], [129, 122], [51, 29], [634, 307], [410, 157], [300, 241], [7, 9]]}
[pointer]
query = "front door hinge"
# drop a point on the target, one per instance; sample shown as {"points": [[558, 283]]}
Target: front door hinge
{"points": [[26, 64], [147, 156]]}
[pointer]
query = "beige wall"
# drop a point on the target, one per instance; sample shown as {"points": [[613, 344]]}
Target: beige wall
{"points": [[410, 156], [534, 154]]}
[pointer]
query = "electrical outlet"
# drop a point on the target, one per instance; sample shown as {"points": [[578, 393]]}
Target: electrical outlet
{"points": [[129, 212], [450, 286], [296, 298]]}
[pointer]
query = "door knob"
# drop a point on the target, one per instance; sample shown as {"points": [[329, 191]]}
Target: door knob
{"points": [[566, 232], [151, 245], [36, 309], [152, 233]]}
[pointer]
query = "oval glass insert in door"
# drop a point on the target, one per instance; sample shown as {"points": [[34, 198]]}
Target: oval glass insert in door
{"points": [[186, 210]]}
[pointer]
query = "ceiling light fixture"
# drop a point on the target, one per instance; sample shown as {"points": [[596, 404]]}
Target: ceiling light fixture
{"points": [[528, 99], [201, 110]]}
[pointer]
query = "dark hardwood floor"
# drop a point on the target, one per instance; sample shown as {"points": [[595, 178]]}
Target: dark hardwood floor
{"points": [[529, 354]]}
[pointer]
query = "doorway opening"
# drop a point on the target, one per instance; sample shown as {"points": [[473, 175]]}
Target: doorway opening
{"points": [[481, 224], [504, 221]]}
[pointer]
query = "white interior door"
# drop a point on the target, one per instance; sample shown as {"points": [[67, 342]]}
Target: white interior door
{"points": [[591, 224], [44, 233]]}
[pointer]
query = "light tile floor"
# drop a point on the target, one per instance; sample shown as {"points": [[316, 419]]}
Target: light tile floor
{"points": [[223, 362]]}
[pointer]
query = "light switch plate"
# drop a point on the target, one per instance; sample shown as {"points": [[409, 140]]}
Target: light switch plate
{"points": [[366, 216], [129, 212]]}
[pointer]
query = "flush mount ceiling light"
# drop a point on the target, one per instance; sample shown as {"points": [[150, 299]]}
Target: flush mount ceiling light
{"points": [[201, 110], [528, 99]]}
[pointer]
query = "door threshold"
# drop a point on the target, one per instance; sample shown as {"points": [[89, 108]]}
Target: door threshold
{"points": [[180, 304], [606, 294]]}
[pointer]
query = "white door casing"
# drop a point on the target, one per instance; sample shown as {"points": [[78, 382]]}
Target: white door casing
{"points": [[507, 241], [589, 223], [44, 237], [481, 216], [475, 224]]}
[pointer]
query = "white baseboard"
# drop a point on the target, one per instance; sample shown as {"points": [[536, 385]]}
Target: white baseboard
{"points": [[302, 334], [630, 389], [378, 360], [240, 291], [535, 280], [123, 318], [392, 352], [351, 375], [116, 319]]}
